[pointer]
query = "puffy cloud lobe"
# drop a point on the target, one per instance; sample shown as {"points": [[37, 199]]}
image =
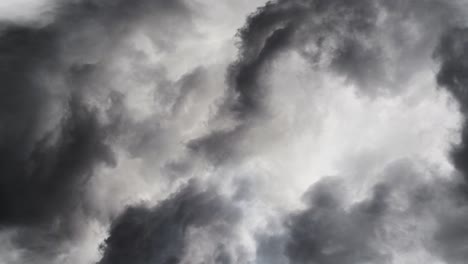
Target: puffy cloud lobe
{"points": [[159, 234], [402, 214], [329, 233], [452, 53], [283, 25]]}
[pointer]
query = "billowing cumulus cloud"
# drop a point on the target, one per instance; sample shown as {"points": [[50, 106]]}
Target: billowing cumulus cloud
{"points": [[159, 235], [287, 131]]}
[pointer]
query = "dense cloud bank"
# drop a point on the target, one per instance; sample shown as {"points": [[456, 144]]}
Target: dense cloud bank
{"points": [[324, 131], [158, 235]]}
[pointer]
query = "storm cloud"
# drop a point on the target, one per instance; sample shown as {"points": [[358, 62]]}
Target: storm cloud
{"points": [[53, 137], [287, 131], [158, 235]]}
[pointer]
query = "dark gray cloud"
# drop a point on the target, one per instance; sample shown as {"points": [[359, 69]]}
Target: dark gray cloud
{"points": [[346, 34], [52, 137], [332, 229], [159, 234], [329, 233], [452, 53], [41, 179], [283, 25], [346, 38], [360, 42], [354, 42], [452, 235]]}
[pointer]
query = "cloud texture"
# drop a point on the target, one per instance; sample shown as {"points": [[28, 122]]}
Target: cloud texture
{"points": [[149, 131]]}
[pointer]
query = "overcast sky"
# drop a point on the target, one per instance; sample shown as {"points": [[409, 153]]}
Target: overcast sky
{"points": [[233, 132]]}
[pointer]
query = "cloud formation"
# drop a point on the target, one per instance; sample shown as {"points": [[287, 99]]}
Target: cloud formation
{"points": [[53, 137], [148, 131], [159, 235]]}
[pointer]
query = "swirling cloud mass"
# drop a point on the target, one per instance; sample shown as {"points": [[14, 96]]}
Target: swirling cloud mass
{"points": [[251, 132]]}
